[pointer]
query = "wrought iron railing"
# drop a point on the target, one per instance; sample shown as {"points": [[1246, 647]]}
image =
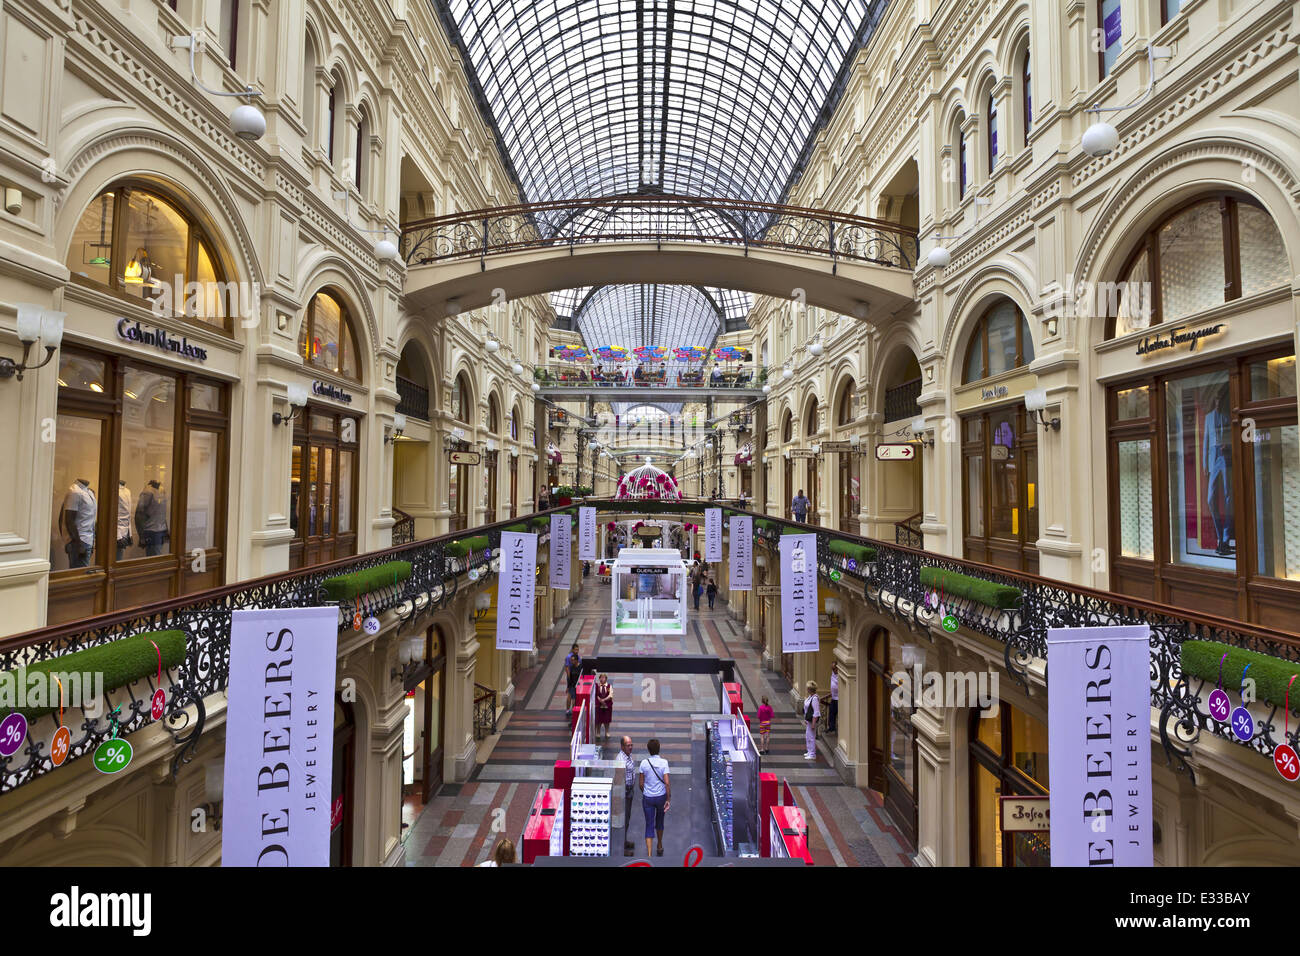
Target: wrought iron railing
{"points": [[900, 401], [205, 618], [413, 399], [658, 219], [908, 532], [485, 711], [403, 527], [634, 375]]}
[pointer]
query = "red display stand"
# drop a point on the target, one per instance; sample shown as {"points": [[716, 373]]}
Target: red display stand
{"points": [[766, 800], [544, 831], [788, 833], [584, 695], [733, 697], [562, 782]]}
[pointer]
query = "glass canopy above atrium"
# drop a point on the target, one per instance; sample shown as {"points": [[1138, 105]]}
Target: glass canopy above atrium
{"points": [[632, 315]]}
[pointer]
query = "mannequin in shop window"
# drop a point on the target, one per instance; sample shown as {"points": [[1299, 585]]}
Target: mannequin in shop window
{"points": [[77, 521], [1218, 493], [151, 519], [123, 518]]}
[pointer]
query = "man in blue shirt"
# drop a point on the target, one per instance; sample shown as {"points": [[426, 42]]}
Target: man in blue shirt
{"points": [[800, 507]]}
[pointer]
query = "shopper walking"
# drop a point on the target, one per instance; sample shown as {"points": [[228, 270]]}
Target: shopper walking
{"points": [[604, 704], [698, 590], [629, 784], [832, 717], [713, 592], [800, 507], [656, 793], [764, 725], [812, 710], [503, 854], [573, 670]]}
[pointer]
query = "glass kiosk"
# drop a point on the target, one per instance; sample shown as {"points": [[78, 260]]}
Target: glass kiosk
{"points": [[648, 595]]}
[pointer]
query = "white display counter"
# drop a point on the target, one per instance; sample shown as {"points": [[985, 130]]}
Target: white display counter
{"points": [[648, 593]]}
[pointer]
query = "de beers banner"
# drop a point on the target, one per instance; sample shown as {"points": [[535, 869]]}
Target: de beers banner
{"points": [[1099, 758], [798, 593], [561, 548], [742, 553], [515, 591], [586, 534], [712, 534], [280, 737]]}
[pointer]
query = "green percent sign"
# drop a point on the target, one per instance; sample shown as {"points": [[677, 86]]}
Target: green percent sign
{"points": [[112, 756], [950, 623]]}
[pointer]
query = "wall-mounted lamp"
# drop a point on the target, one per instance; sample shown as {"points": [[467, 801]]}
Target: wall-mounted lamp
{"points": [[939, 256], [913, 655], [247, 121], [385, 250], [214, 791], [297, 398], [1036, 402], [834, 610], [918, 432], [760, 561], [493, 344], [787, 373], [1101, 138], [855, 441], [482, 604], [399, 425], [517, 368], [453, 307], [816, 449], [815, 347], [34, 322]]}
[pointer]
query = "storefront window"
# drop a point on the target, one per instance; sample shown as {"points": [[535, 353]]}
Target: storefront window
{"points": [[1001, 342], [1132, 403], [345, 489], [201, 498], [326, 506], [1136, 518], [205, 398], [76, 493], [1198, 444], [1277, 506], [327, 339], [1008, 757], [1272, 378], [147, 470], [1000, 493]]}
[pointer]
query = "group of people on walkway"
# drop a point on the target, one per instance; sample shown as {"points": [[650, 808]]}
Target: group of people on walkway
{"points": [[651, 776], [702, 583]]}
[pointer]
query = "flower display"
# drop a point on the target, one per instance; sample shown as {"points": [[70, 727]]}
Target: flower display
{"points": [[647, 482]]}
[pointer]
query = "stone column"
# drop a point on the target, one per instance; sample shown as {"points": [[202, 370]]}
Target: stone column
{"points": [[461, 748]]}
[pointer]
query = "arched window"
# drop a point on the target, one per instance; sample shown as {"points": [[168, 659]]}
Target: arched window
{"points": [[811, 418], [462, 402], [141, 244], [1027, 94], [328, 340], [1169, 9], [331, 117], [787, 429], [847, 395], [309, 88], [514, 423], [991, 119], [1210, 251], [1001, 342], [228, 30], [359, 158], [494, 417], [959, 138]]}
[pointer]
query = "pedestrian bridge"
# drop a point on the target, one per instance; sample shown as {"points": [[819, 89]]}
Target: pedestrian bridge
{"points": [[847, 264]]}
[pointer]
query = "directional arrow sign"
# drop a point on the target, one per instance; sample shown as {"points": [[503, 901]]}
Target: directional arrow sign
{"points": [[898, 451]]}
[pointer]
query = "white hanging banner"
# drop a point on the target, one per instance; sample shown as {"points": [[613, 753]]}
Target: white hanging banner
{"points": [[712, 534], [586, 534], [742, 553], [561, 549], [799, 593], [279, 737], [516, 584], [1099, 731]]}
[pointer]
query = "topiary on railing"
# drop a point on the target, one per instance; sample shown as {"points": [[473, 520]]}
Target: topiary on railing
{"points": [[517, 528], [122, 662], [1270, 674], [459, 549], [1000, 596], [540, 522], [349, 587], [858, 552]]}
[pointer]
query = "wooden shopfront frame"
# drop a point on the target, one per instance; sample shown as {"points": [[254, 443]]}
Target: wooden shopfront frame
{"points": [[318, 540]]}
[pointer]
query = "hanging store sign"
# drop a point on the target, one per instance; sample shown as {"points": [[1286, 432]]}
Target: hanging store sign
{"points": [[515, 591], [561, 549], [160, 339], [279, 737], [742, 553], [1025, 814], [712, 534], [463, 457], [326, 390], [895, 451], [586, 534], [840, 447], [802, 453], [768, 590], [1099, 762], [799, 625], [1180, 336]]}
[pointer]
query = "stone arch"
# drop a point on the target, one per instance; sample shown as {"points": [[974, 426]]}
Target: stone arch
{"points": [[419, 357], [339, 274], [1007, 275]]}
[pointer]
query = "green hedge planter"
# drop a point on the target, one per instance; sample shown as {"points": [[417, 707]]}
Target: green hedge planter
{"points": [[857, 552], [762, 524], [1270, 674], [458, 549], [960, 585], [122, 662], [349, 587], [517, 528], [539, 523]]}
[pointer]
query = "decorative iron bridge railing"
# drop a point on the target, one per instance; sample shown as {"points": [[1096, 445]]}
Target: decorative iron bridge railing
{"points": [[205, 618], [485, 711], [890, 583], [908, 532], [659, 219]]}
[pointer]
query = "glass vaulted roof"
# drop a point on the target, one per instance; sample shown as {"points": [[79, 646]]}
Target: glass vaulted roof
{"points": [[695, 97], [633, 315]]}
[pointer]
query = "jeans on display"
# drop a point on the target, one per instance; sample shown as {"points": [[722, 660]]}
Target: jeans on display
{"points": [[154, 542], [654, 813], [78, 554]]}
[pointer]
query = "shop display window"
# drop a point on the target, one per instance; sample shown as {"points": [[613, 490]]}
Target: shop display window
{"points": [[147, 470], [1276, 453], [327, 339], [1001, 342], [323, 487], [77, 449], [1136, 514], [1199, 435], [1000, 488], [1008, 757], [202, 489]]}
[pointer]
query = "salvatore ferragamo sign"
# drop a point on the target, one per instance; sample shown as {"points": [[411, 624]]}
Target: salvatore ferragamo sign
{"points": [[1179, 336]]}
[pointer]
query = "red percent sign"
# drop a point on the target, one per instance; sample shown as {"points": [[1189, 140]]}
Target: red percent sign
{"points": [[61, 743], [1284, 757], [159, 703]]}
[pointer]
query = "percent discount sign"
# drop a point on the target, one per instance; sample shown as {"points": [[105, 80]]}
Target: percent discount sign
{"points": [[158, 706], [60, 746], [1243, 725], [1287, 763], [1219, 705], [13, 731], [112, 755]]}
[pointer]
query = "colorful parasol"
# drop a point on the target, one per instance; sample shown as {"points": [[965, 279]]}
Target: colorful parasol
{"points": [[651, 353]]}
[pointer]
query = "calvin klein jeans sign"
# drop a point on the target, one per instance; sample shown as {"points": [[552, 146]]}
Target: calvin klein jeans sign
{"points": [[742, 553], [1099, 730], [561, 549], [586, 534], [516, 583], [799, 593], [280, 737], [712, 534]]}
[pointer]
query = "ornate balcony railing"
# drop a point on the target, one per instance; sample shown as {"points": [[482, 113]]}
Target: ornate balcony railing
{"points": [[403, 527], [414, 399], [613, 375], [659, 219], [900, 401], [485, 711], [908, 532], [205, 618]]}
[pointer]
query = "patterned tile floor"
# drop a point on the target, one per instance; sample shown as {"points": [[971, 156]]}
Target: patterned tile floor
{"points": [[847, 826]]}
